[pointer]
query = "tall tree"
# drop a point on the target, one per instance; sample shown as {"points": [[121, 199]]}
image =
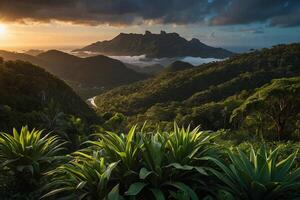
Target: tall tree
{"points": [[278, 102]]}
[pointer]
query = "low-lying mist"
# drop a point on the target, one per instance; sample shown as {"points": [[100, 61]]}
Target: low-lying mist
{"points": [[143, 61]]}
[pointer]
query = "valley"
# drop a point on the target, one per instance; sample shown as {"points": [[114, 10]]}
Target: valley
{"points": [[149, 100], [250, 100]]}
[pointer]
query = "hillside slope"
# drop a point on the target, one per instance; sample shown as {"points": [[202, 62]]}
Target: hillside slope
{"points": [[26, 89], [179, 95], [156, 46], [13, 56], [98, 71]]}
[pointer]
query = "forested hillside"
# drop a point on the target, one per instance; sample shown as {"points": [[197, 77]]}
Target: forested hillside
{"points": [[274, 107], [27, 91], [204, 95]]}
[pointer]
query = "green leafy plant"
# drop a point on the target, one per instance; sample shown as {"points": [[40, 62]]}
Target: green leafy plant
{"points": [[260, 175], [167, 164], [186, 145], [156, 175], [124, 149], [85, 177], [29, 154]]}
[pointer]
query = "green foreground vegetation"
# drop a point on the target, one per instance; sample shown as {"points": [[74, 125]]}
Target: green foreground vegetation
{"points": [[179, 164]]}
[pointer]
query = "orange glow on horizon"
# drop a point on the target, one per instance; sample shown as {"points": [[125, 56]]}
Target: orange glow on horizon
{"points": [[16, 36]]}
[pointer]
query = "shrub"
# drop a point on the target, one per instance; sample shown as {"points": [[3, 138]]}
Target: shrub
{"points": [[85, 177], [170, 164], [124, 149], [27, 155], [260, 175]]}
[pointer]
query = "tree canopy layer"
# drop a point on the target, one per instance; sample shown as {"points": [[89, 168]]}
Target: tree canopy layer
{"points": [[278, 102], [205, 94]]}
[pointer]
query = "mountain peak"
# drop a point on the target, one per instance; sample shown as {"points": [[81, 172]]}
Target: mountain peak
{"points": [[51, 54], [156, 46]]}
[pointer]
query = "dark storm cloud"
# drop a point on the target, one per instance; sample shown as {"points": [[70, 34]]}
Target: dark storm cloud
{"points": [[282, 13], [104, 11], [214, 12]]}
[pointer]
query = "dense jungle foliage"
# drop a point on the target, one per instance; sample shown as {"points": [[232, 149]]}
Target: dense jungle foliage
{"points": [[205, 95]]}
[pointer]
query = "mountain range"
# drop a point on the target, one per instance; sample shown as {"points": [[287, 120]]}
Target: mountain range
{"points": [[155, 46]]}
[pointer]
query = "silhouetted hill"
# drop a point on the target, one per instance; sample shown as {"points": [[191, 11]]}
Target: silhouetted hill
{"points": [[26, 89], [13, 56], [156, 46], [33, 52], [98, 71], [59, 63], [197, 94], [86, 75], [58, 57]]}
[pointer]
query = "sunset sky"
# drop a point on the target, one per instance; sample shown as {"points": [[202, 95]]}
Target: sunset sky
{"points": [[73, 23]]}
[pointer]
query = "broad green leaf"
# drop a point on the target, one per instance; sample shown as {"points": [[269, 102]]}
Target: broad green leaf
{"points": [[158, 194], [144, 173], [135, 188]]}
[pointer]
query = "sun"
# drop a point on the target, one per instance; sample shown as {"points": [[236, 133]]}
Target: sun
{"points": [[2, 30]]}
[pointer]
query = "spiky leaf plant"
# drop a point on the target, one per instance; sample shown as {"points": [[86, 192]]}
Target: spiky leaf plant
{"points": [[168, 168], [28, 154], [85, 177], [124, 149], [259, 175], [186, 145], [157, 178]]}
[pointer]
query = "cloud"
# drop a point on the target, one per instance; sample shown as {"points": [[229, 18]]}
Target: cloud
{"points": [[252, 30], [104, 11], [282, 13], [126, 12]]}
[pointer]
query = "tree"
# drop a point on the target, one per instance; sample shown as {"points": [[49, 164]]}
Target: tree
{"points": [[279, 102]]}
